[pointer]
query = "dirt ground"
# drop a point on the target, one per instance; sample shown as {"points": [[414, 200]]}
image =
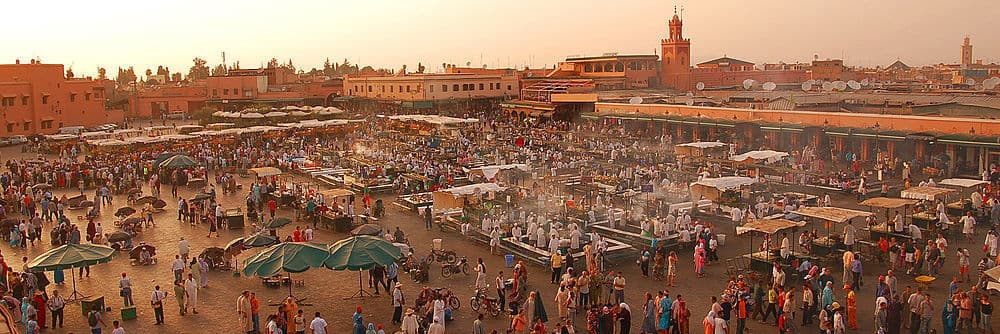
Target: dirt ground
{"points": [[325, 289]]}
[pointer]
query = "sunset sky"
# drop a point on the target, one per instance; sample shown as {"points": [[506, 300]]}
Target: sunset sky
{"points": [[88, 34]]}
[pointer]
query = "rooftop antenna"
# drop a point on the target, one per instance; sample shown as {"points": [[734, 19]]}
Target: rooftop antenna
{"points": [[682, 13], [224, 61]]}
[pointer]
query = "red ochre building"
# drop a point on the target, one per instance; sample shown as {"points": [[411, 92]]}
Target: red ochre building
{"points": [[37, 98]]}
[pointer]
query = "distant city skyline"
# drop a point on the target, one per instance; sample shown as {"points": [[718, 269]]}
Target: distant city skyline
{"points": [[389, 34]]}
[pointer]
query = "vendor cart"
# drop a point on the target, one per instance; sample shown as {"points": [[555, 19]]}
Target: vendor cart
{"points": [[234, 218]]}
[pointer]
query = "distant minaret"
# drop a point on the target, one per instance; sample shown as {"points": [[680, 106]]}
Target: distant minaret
{"points": [[966, 52]]}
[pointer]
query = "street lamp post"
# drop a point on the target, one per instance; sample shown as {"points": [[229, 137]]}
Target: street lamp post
{"points": [[877, 148]]}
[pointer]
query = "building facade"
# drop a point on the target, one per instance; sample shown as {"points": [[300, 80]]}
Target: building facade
{"points": [[426, 88], [37, 98]]}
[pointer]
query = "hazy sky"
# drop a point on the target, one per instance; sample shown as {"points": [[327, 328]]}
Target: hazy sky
{"points": [[87, 34]]}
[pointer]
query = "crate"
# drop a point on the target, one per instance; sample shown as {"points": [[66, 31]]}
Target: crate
{"points": [[128, 313]]}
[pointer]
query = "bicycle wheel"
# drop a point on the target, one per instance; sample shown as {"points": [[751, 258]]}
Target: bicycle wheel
{"points": [[454, 303]]}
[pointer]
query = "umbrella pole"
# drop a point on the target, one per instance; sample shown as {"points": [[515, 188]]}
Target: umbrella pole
{"points": [[75, 296], [361, 289]]}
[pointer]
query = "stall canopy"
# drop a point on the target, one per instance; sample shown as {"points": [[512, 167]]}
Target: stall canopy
{"points": [[264, 171], [766, 156], [724, 183], [491, 171], [925, 193], [713, 188], [888, 203], [479, 188], [964, 183], [767, 226], [334, 193], [829, 213], [703, 144], [698, 148]]}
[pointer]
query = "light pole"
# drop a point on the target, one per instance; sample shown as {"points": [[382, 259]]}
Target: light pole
{"points": [[877, 148]]}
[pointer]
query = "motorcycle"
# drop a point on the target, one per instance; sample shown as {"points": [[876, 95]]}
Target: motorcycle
{"points": [[490, 305], [449, 297], [444, 256], [461, 266]]}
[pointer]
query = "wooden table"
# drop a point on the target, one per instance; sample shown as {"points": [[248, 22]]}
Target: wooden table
{"points": [[875, 233]]}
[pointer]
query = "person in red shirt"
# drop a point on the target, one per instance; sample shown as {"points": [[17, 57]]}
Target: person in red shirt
{"points": [[272, 206], [297, 235]]}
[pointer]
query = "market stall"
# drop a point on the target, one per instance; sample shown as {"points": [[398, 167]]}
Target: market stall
{"points": [[460, 199], [690, 151], [727, 190], [763, 259], [337, 216], [830, 215], [759, 157]]}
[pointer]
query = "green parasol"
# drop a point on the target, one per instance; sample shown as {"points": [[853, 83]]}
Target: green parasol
{"points": [[359, 253], [277, 222], [179, 161], [290, 257], [71, 256]]}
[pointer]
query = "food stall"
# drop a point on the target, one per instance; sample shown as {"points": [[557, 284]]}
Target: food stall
{"points": [[933, 194], [763, 259], [829, 215], [462, 199], [490, 173], [692, 151], [337, 200], [724, 191], [891, 206]]}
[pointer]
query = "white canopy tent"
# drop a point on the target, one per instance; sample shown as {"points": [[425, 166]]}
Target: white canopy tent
{"points": [[766, 156]]}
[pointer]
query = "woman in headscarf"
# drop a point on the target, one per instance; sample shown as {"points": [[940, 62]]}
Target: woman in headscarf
{"points": [[709, 323], [699, 260], [949, 315], [624, 318], [607, 320], [203, 271], [649, 315], [290, 308], [371, 329], [852, 308], [25, 307], [38, 302], [529, 309], [666, 312], [827, 295]]}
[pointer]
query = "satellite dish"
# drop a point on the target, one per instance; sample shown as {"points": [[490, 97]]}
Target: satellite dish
{"points": [[769, 86], [748, 83], [864, 82], [854, 85], [635, 100], [690, 102], [970, 81], [689, 94], [807, 86], [812, 82], [840, 85], [700, 86], [921, 77], [827, 86]]}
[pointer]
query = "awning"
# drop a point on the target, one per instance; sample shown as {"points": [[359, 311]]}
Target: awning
{"points": [[888, 203], [767, 156], [334, 193], [264, 171], [767, 226], [833, 214], [480, 188], [725, 183], [925, 193], [964, 183]]}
